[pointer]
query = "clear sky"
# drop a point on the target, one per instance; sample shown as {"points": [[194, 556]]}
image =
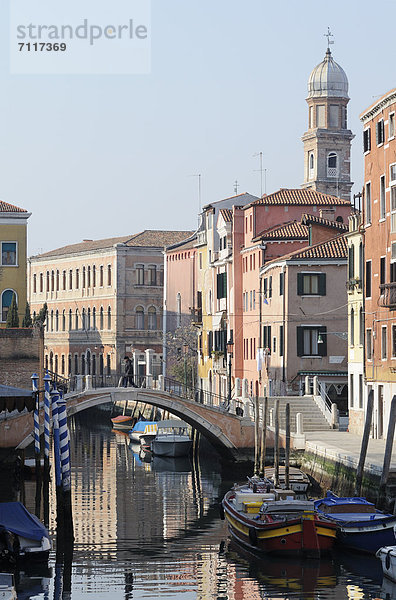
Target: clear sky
{"points": [[102, 156]]}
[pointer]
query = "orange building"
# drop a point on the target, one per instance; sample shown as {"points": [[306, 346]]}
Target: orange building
{"points": [[379, 212]]}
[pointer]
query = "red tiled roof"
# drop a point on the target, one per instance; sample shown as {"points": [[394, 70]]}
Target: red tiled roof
{"points": [[149, 238], [334, 248], [315, 220], [226, 213], [5, 207], [301, 197], [293, 230]]}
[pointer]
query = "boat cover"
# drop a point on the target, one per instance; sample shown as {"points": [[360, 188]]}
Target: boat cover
{"points": [[18, 520], [333, 500], [141, 425]]}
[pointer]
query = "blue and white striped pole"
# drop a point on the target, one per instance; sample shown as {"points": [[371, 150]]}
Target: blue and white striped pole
{"points": [[64, 443], [47, 414], [55, 423], [36, 416]]}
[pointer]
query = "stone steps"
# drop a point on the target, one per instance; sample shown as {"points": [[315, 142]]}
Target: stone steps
{"points": [[313, 418]]}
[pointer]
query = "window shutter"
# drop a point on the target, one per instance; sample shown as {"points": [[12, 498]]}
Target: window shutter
{"points": [[270, 287], [300, 284], [224, 285], [281, 280], [322, 284], [300, 341], [218, 280], [322, 348], [281, 341], [377, 134]]}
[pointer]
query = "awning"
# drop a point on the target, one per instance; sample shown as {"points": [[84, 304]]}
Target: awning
{"points": [[323, 373], [12, 398]]}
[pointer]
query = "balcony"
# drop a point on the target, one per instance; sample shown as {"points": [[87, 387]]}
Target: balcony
{"points": [[354, 285], [388, 295]]}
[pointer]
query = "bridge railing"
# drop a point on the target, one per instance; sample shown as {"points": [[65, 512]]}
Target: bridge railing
{"points": [[193, 393]]}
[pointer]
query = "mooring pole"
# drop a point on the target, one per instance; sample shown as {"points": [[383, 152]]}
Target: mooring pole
{"points": [[256, 435], [64, 448], [388, 452], [47, 426], [287, 451], [365, 439], [37, 450], [276, 444], [263, 437], [60, 526]]}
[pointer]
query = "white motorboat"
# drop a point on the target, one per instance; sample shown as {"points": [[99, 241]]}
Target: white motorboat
{"points": [[387, 556], [172, 439]]}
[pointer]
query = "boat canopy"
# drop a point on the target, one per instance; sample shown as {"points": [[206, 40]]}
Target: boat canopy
{"points": [[333, 500], [172, 424], [17, 519], [140, 426]]}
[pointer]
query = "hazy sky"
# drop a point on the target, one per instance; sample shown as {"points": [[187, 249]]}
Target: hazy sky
{"points": [[101, 156]]}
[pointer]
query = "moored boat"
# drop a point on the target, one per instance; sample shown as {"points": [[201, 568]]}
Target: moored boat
{"points": [[360, 525], [387, 556], [298, 480], [172, 439], [143, 432], [123, 422], [270, 520], [22, 535], [7, 587]]}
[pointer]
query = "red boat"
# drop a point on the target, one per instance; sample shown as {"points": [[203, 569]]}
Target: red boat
{"points": [[264, 522]]}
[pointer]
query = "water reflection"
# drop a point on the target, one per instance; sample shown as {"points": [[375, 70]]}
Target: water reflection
{"points": [[147, 527]]}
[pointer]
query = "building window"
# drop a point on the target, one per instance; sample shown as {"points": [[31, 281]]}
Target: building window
{"points": [[393, 341], [320, 115], [63, 320], [382, 270], [41, 282], [108, 364], [101, 276], [76, 321], [379, 131], [369, 347], [368, 203], [94, 318], [361, 326], [351, 262], [108, 274], [368, 279], [281, 341], [382, 197], [6, 299], [101, 318], [152, 318], [89, 319], [69, 365], [9, 254], [34, 283], [70, 279], [84, 278], [367, 140], [93, 364], [311, 284], [332, 167], [57, 281], [70, 320], [89, 277], [52, 320], [48, 281], [76, 371], [109, 318], [63, 280], [63, 364], [351, 390], [352, 327], [152, 275], [140, 274], [281, 283], [83, 320], [94, 276], [52, 281], [139, 317], [309, 343], [77, 279], [334, 116], [57, 320], [391, 122], [311, 161], [384, 353], [269, 287], [221, 285]]}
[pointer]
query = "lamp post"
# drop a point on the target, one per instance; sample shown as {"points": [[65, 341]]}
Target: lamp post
{"points": [[341, 334], [230, 345], [185, 353]]}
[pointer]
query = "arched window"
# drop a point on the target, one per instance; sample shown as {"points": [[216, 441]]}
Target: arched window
{"points": [[56, 363], [101, 324], [101, 364], [361, 262], [88, 361], [82, 364], [46, 362], [83, 321], [89, 319], [94, 276], [178, 310], [41, 283], [48, 281], [93, 364], [52, 281], [71, 279], [76, 323], [109, 318], [152, 318], [57, 280], [6, 299], [109, 275], [52, 322], [69, 365], [64, 280], [34, 283], [63, 364], [101, 276], [311, 165], [139, 317], [57, 320], [76, 371], [94, 318], [83, 278], [77, 279], [332, 167], [108, 364], [63, 320], [70, 319], [51, 361], [352, 327], [361, 326], [89, 277]]}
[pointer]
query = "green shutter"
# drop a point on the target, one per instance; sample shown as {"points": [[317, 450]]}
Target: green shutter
{"points": [[300, 284], [322, 284], [300, 341], [322, 348], [281, 341], [281, 280]]}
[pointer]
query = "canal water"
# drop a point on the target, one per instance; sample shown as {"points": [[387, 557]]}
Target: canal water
{"points": [[152, 530]]}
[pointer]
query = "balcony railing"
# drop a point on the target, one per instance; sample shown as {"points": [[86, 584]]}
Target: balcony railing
{"points": [[354, 284], [388, 295]]}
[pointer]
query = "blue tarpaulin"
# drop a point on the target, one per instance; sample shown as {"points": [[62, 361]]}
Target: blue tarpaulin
{"points": [[15, 518], [141, 425]]}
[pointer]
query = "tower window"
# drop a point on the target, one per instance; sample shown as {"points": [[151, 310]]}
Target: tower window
{"points": [[332, 165], [320, 115], [311, 161], [380, 132], [333, 115]]}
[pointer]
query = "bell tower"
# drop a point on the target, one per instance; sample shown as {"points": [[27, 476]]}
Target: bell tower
{"points": [[327, 142]]}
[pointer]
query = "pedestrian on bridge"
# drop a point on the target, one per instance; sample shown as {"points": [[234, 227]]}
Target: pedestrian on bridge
{"points": [[128, 370]]}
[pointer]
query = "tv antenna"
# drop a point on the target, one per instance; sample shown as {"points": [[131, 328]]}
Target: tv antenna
{"points": [[236, 186], [261, 170]]}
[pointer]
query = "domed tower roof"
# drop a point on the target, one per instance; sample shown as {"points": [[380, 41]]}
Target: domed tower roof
{"points": [[328, 79]]}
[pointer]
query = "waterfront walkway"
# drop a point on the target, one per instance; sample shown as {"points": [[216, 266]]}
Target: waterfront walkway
{"points": [[344, 447]]}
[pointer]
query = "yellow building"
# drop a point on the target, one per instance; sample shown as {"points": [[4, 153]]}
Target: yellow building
{"points": [[13, 238], [356, 399]]}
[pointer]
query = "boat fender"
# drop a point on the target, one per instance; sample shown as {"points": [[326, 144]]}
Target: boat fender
{"points": [[253, 536], [221, 511], [387, 559]]}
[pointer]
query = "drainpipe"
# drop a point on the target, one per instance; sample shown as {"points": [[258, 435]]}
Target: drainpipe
{"points": [[284, 326], [164, 318]]}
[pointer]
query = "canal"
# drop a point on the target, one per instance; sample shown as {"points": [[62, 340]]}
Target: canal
{"points": [[152, 530]]}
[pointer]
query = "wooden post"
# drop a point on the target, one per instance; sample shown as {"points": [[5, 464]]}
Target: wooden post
{"points": [[287, 457], [263, 437], [256, 435], [388, 452], [365, 439], [276, 446]]}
